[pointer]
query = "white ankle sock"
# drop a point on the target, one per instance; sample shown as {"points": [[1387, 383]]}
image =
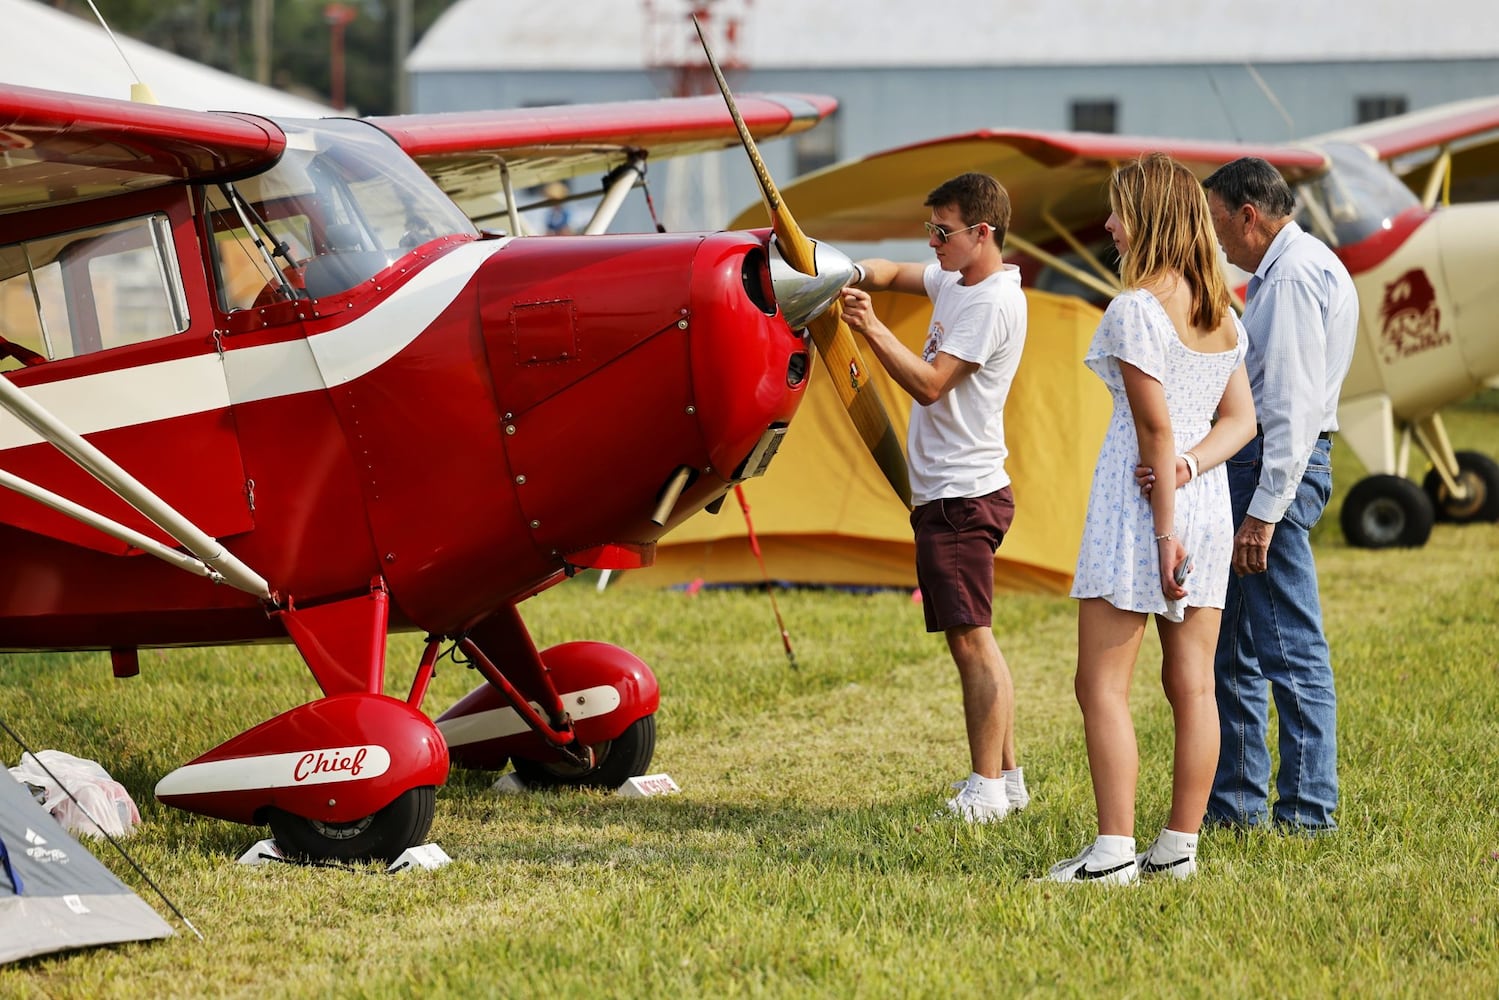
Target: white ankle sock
{"points": [[989, 789], [1177, 844], [1118, 848]]}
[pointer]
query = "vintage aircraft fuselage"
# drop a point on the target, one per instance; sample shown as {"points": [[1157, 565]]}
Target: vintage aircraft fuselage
{"points": [[1427, 297], [1421, 276], [462, 416]]}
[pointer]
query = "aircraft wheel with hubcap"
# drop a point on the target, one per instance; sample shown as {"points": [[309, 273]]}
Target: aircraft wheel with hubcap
{"points": [[1479, 475], [381, 837], [616, 761], [1384, 512]]}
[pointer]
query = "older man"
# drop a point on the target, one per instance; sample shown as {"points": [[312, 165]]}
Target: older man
{"points": [[1302, 320]]}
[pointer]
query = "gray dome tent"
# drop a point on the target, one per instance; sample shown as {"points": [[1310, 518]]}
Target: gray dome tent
{"points": [[54, 894]]}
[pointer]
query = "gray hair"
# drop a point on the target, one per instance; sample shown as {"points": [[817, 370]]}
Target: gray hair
{"points": [[1250, 180]]}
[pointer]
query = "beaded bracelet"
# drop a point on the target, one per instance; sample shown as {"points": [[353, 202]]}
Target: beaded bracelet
{"points": [[1162, 538]]}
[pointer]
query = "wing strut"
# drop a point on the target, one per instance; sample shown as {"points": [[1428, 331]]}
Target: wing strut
{"points": [[1111, 277], [1071, 270], [110, 527], [1439, 182], [207, 549], [620, 182]]}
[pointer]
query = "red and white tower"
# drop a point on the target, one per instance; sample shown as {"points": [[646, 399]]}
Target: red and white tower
{"points": [[694, 185]]}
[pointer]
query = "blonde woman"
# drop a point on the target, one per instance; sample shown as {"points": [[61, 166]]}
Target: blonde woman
{"points": [[1171, 352]]}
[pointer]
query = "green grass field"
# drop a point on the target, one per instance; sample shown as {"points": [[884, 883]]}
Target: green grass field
{"points": [[802, 858]]}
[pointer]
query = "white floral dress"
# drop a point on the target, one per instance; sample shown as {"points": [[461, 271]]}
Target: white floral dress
{"points": [[1118, 560]]}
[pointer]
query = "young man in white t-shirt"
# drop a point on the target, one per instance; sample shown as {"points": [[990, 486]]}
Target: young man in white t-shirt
{"points": [[956, 448]]}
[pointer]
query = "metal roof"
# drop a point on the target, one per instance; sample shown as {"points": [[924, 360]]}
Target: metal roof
{"points": [[498, 35]]}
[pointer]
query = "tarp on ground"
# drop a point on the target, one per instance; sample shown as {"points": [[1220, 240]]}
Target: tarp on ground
{"points": [[825, 515], [54, 894]]}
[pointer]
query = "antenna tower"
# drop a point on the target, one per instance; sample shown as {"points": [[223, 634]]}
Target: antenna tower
{"points": [[694, 185], [672, 49]]}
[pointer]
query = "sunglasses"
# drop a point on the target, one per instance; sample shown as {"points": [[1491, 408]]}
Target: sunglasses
{"points": [[944, 234]]}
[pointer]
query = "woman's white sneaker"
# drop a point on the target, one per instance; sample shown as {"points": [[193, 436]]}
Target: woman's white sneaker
{"points": [[1094, 866], [1172, 854]]}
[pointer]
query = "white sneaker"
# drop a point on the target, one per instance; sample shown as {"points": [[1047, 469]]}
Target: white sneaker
{"points": [[1086, 868], [975, 808], [1158, 861], [1015, 790]]}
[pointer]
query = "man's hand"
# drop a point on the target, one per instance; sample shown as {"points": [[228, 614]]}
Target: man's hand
{"points": [[1252, 546], [858, 310]]}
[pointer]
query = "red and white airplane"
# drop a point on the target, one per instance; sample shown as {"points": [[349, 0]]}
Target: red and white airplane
{"points": [[1377, 193], [270, 382]]}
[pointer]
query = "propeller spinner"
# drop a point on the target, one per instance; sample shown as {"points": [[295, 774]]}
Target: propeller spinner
{"points": [[835, 341]]}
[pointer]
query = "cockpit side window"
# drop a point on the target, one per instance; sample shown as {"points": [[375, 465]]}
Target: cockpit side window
{"points": [[89, 290]]}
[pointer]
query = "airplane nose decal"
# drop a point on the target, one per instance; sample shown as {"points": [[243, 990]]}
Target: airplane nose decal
{"points": [[1410, 320]]}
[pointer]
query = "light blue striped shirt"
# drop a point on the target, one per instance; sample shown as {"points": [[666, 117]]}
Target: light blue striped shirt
{"points": [[1302, 321]]}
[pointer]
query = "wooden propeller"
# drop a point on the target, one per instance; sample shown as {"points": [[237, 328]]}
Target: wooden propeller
{"points": [[835, 341]]}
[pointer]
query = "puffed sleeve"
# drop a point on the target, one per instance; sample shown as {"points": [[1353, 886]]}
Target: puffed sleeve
{"points": [[1130, 333]]}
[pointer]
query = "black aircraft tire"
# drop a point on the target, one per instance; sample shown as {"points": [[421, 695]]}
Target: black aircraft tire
{"points": [[1384, 512], [1480, 475], [616, 761], [381, 837]]}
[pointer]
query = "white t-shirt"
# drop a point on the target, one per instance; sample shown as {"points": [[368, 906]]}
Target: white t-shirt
{"points": [[957, 445]]}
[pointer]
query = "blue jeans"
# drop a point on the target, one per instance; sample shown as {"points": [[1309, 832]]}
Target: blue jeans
{"points": [[1272, 638]]}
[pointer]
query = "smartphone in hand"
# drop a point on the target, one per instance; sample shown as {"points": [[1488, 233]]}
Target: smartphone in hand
{"points": [[1182, 569]]}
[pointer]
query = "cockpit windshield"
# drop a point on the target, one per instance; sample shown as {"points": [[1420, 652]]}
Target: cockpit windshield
{"points": [[342, 204], [1355, 199]]}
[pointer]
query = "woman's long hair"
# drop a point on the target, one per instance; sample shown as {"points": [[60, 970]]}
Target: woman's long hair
{"points": [[1166, 218]]}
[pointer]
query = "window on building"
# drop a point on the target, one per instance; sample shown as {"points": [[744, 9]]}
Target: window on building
{"points": [[817, 147], [1373, 107], [1095, 116]]}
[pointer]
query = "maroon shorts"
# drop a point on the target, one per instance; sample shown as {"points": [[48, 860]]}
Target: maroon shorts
{"points": [[955, 544]]}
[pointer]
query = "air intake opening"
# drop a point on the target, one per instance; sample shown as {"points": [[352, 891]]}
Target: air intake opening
{"points": [[755, 276], [796, 368]]}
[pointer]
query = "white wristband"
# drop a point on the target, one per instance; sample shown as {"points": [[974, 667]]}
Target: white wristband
{"points": [[1191, 461], [859, 274]]}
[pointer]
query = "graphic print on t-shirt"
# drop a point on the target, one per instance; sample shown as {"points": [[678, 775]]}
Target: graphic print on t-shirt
{"points": [[933, 342]]}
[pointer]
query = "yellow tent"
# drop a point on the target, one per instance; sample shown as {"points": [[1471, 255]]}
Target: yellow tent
{"points": [[823, 514]]}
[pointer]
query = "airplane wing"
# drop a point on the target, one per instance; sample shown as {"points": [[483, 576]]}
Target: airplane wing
{"points": [[463, 151], [1057, 181], [1439, 126], [1468, 130], [58, 148]]}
